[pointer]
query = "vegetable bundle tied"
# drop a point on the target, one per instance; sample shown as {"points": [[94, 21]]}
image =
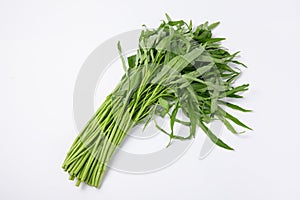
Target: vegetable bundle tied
{"points": [[175, 67]]}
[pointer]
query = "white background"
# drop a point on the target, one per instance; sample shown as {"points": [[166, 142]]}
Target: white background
{"points": [[42, 47]]}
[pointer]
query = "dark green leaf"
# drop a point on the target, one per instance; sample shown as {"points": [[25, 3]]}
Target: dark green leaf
{"points": [[235, 107], [233, 119], [131, 61], [213, 25]]}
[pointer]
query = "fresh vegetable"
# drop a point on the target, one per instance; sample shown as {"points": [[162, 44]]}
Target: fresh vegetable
{"points": [[176, 67]]}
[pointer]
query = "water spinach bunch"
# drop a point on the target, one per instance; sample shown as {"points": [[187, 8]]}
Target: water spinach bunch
{"points": [[177, 66]]}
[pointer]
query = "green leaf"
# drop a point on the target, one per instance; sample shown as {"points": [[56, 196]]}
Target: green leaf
{"points": [[175, 23], [190, 26], [234, 96], [235, 107], [131, 61], [225, 67], [193, 120], [200, 71], [238, 122], [168, 17], [173, 117], [214, 40], [239, 63], [164, 103], [213, 138], [122, 57], [213, 25], [240, 88], [226, 123], [233, 119], [231, 57], [229, 126], [232, 78]]}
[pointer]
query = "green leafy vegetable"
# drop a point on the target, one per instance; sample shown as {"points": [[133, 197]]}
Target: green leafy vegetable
{"points": [[176, 67]]}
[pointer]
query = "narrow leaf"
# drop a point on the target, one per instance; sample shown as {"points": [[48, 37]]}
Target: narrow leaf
{"points": [[214, 138], [235, 107]]}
